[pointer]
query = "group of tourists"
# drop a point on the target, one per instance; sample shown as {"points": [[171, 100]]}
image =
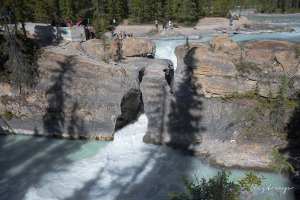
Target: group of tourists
{"points": [[64, 24], [120, 36], [89, 32], [230, 23], [164, 24]]}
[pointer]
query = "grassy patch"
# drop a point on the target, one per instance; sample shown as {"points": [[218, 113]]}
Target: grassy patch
{"points": [[236, 17], [8, 115], [153, 32], [246, 26], [104, 58], [297, 51], [211, 47], [243, 68], [175, 26], [265, 83], [272, 109]]}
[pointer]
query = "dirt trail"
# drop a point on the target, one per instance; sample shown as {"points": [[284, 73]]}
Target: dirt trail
{"points": [[209, 26]]}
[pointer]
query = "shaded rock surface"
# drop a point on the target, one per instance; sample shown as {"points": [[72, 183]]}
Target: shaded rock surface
{"points": [[194, 118], [77, 95]]}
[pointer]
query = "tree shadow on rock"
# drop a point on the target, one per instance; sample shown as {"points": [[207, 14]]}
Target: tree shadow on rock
{"points": [[293, 137], [186, 109], [48, 35], [56, 120], [24, 160]]}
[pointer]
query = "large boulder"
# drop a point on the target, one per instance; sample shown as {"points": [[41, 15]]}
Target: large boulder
{"points": [[226, 45], [289, 61], [271, 55], [133, 47]]}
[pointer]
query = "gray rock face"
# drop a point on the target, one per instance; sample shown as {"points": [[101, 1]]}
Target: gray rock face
{"points": [[194, 118], [133, 47], [77, 95]]}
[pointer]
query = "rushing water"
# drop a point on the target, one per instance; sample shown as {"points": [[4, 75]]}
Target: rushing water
{"points": [[293, 36], [35, 168]]}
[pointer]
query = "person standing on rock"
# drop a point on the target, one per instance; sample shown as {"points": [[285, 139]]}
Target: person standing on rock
{"points": [[87, 33], [114, 22], [156, 24], [121, 35], [164, 24], [170, 25], [230, 19]]}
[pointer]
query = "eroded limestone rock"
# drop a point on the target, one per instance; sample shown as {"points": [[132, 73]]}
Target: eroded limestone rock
{"points": [[134, 47], [77, 95]]}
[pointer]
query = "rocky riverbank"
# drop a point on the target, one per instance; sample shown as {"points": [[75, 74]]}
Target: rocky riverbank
{"points": [[209, 26]]}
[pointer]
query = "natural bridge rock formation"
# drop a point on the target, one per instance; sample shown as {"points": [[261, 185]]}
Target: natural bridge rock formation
{"points": [[78, 95], [217, 103]]}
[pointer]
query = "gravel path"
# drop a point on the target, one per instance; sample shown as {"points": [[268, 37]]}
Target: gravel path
{"points": [[209, 26], [205, 27]]}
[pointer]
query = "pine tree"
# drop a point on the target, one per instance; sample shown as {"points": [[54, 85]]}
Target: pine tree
{"points": [[157, 10], [21, 52], [189, 10], [100, 20], [201, 5], [42, 11], [168, 9], [22, 10], [115, 10], [216, 8], [177, 10], [278, 164], [70, 10]]}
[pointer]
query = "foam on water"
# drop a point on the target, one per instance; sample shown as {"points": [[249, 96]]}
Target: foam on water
{"points": [[288, 36]]}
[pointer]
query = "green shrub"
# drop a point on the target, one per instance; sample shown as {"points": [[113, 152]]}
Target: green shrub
{"points": [[297, 51], [8, 115], [246, 26], [278, 10], [218, 187], [110, 27], [176, 25], [104, 58], [187, 43], [236, 17], [211, 47], [153, 32], [243, 68]]}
